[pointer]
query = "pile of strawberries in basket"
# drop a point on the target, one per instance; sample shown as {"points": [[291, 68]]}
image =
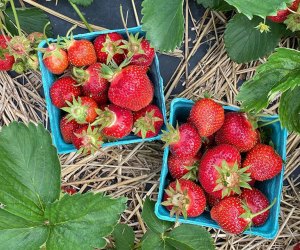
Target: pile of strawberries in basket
{"points": [[215, 159], [109, 94]]}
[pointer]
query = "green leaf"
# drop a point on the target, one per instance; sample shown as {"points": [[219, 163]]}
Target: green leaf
{"points": [[289, 109], [191, 237], [29, 170], [149, 217], [19, 234], [124, 237], [244, 42], [83, 3], [154, 241], [220, 5], [164, 23], [31, 20], [81, 221], [260, 8]]}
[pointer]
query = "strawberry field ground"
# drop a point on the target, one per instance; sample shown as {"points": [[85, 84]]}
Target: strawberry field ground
{"points": [[201, 65]]}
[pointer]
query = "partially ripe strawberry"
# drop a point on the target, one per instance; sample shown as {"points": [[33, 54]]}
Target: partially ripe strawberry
{"points": [[93, 85], [6, 59], [183, 168], [115, 122], [184, 140], [55, 59], [238, 131], [283, 14], [87, 139], [82, 110], [64, 90], [148, 121], [256, 201], [207, 116], [184, 197], [107, 47], [264, 162], [67, 128], [220, 173]]}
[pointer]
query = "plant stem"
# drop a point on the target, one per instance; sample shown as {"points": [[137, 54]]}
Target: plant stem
{"points": [[268, 123], [15, 16], [81, 16]]}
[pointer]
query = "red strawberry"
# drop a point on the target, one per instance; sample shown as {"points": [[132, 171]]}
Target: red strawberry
{"points": [[130, 87], [183, 168], [82, 110], [55, 59], [67, 129], [297, 246], [69, 190], [107, 47], [184, 140], [63, 90], [238, 131], [283, 14], [264, 162], [148, 121], [80, 52], [6, 60], [219, 171], [87, 139], [207, 116], [139, 50], [256, 201], [93, 84], [184, 197], [115, 122]]}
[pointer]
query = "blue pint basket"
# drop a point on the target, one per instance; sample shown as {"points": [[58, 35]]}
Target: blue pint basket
{"points": [[179, 111], [55, 114]]}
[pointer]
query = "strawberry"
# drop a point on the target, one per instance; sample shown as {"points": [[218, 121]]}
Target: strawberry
{"points": [[69, 190], [35, 38], [283, 14], [238, 131], [67, 128], [264, 162], [207, 116], [184, 140], [82, 110], [139, 50], [130, 87], [184, 197], [183, 168], [55, 59], [80, 52], [115, 122], [256, 201], [148, 121], [296, 246], [93, 85], [107, 47], [234, 216], [87, 139], [62, 90], [6, 59], [219, 171]]}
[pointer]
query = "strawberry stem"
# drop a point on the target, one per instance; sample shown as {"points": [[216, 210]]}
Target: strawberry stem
{"points": [[123, 21], [81, 16], [264, 210], [15, 16]]}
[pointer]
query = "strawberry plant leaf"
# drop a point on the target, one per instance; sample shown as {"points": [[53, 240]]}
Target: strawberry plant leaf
{"points": [[220, 5], [29, 170], [149, 217], [124, 237], [260, 8], [88, 216], [190, 237], [83, 3], [289, 109], [154, 241], [244, 42], [28, 20], [164, 23]]}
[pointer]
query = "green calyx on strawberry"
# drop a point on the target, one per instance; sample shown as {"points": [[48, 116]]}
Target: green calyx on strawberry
{"points": [[111, 48], [80, 74], [133, 45], [231, 179], [293, 21], [105, 118], [110, 71], [170, 136]]}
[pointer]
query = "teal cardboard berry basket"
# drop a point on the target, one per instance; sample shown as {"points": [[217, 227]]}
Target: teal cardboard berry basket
{"points": [[55, 114], [180, 109]]}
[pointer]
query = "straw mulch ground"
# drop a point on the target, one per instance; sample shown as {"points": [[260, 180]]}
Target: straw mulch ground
{"points": [[133, 171]]}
